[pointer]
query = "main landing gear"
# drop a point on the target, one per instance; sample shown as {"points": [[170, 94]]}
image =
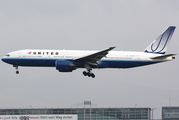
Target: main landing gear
{"points": [[88, 72], [16, 67]]}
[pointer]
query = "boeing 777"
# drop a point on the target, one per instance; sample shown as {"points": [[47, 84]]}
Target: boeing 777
{"points": [[69, 60]]}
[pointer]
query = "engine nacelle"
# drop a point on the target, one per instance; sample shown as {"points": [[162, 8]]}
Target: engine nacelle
{"points": [[64, 66]]}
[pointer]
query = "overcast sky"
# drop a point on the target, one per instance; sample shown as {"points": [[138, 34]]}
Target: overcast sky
{"points": [[130, 25]]}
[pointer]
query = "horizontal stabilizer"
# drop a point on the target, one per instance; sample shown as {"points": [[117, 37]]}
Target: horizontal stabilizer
{"points": [[163, 56]]}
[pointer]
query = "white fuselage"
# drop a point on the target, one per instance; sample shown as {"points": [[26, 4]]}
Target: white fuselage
{"points": [[114, 59]]}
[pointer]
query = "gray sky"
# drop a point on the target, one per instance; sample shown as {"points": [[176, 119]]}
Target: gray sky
{"points": [[130, 25]]}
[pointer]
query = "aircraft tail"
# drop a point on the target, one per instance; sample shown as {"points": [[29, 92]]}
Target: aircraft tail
{"points": [[159, 46]]}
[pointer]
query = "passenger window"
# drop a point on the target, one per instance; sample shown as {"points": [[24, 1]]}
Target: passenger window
{"points": [[56, 53]]}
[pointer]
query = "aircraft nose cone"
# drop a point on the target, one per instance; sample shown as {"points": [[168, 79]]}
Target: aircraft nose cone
{"points": [[7, 60], [3, 59]]}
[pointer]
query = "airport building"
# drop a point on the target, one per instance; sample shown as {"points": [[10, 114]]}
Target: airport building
{"points": [[170, 113], [83, 113]]}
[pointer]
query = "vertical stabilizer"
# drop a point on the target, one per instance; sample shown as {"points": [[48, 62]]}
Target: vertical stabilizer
{"points": [[159, 46]]}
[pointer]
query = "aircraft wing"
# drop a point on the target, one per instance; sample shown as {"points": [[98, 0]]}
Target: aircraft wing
{"points": [[94, 56]]}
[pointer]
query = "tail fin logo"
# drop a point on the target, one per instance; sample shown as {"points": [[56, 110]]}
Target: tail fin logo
{"points": [[160, 45]]}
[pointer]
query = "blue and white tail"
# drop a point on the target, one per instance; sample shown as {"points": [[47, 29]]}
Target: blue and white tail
{"points": [[159, 46]]}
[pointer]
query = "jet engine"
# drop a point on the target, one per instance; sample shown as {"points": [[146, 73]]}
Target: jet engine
{"points": [[64, 66]]}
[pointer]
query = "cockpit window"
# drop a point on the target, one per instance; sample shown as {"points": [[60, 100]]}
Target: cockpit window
{"points": [[7, 55]]}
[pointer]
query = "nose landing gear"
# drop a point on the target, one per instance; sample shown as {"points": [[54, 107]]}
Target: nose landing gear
{"points": [[16, 67], [17, 72]]}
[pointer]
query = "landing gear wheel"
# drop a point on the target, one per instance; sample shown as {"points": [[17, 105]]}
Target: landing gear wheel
{"points": [[85, 73], [17, 72], [89, 74], [92, 75]]}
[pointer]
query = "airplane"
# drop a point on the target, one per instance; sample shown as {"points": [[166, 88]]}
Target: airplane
{"points": [[69, 60]]}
